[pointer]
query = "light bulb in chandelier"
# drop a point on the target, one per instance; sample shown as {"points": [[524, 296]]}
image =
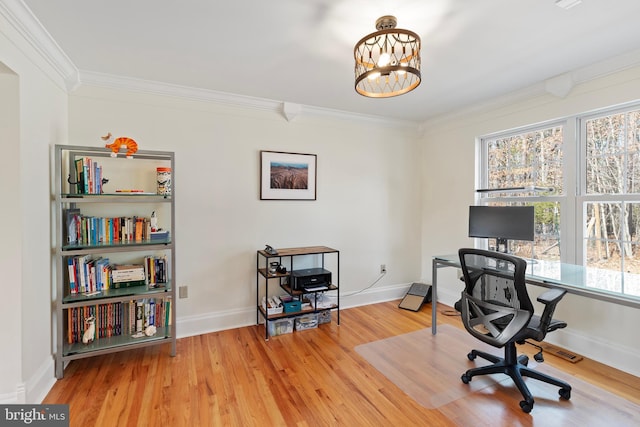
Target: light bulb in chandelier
{"points": [[384, 60]]}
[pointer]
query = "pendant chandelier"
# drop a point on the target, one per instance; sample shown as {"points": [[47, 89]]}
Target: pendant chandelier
{"points": [[387, 61]]}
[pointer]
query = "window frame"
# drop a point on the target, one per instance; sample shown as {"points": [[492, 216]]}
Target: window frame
{"points": [[582, 197], [568, 183], [574, 198]]}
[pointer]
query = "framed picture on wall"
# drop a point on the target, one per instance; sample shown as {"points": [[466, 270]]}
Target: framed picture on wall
{"points": [[287, 176]]}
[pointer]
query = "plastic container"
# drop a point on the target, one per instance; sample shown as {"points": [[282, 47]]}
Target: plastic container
{"points": [[164, 181], [280, 327], [306, 321], [324, 317]]}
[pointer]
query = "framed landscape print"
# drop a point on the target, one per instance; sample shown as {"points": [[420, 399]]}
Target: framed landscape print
{"points": [[287, 176]]}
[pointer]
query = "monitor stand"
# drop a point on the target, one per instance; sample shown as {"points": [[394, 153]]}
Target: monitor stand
{"points": [[502, 245]]}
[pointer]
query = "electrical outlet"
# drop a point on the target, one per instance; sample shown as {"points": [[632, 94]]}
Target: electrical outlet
{"points": [[183, 292], [383, 269]]}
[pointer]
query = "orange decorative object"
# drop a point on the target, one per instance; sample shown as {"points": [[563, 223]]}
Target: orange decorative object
{"points": [[118, 143]]}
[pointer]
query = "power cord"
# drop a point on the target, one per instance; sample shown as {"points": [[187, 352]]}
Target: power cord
{"points": [[364, 289], [450, 312], [538, 356]]}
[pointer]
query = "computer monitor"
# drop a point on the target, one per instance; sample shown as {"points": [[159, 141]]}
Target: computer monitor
{"points": [[502, 223]]}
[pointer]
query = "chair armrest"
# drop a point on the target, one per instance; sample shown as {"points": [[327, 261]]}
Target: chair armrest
{"points": [[550, 299], [551, 296]]}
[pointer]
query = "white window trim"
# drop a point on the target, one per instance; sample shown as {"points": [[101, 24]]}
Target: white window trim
{"points": [[574, 197]]}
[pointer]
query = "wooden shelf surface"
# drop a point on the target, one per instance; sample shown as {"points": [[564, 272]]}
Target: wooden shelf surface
{"points": [[306, 250]]}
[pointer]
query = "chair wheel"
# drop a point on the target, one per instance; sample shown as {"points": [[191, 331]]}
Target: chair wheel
{"points": [[525, 361], [565, 393], [471, 356], [526, 406], [465, 378]]}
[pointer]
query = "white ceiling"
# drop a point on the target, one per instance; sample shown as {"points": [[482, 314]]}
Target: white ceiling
{"points": [[301, 51]]}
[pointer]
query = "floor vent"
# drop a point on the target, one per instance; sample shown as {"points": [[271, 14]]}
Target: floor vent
{"points": [[561, 352]]}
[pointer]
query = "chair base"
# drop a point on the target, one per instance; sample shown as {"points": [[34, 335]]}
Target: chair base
{"points": [[516, 367]]}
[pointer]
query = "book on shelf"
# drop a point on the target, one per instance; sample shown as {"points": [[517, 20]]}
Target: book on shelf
{"points": [[128, 284], [139, 316], [156, 269], [125, 273], [88, 176], [90, 230], [87, 275], [71, 217], [117, 318]]}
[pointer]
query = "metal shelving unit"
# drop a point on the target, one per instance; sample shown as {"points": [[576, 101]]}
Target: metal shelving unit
{"points": [[138, 172], [288, 256]]}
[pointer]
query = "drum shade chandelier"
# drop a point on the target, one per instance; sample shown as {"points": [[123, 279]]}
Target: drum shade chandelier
{"points": [[387, 61]]}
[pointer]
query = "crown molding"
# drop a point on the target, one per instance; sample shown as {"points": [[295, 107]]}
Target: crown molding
{"points": [[289, 111], [27, 25], [45, 47], [573, 78]]}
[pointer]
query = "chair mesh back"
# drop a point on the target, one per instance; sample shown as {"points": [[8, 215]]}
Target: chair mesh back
{"points": [[495, 303]]}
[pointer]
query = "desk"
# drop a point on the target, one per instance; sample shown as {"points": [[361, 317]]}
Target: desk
{"points": [[605, 285]]}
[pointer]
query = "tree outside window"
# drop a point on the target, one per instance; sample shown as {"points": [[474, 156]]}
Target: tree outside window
{"points": [[532, 160], [612, 186]]}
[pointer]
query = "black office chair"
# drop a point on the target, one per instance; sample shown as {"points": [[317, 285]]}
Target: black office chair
{"points": [[496, 309]]}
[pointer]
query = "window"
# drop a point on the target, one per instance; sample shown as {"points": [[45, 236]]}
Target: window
{"points": [[582, 175], [526, 168], [611, 201]]}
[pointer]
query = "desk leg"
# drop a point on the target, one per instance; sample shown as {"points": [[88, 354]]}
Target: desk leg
{"points": [[434, 296]]}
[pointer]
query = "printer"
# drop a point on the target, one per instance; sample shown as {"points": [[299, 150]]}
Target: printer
{"points": [[310, 278]]}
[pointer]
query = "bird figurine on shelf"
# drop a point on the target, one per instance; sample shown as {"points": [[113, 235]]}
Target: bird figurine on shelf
{"points": [[123, 141]]}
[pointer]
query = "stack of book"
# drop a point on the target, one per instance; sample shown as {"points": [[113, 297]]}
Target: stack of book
{"points": [[88, 275], [156, 270], [125, 276], [88, 176], [90, 230]]}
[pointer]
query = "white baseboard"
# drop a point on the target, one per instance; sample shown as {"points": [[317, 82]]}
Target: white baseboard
{"points": [[611, 354], [35, 389], [187, 326]]}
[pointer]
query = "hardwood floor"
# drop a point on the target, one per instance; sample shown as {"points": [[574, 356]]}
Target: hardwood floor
{"points": [[308, 378]]}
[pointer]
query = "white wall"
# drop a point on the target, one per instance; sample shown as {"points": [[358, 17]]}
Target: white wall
{"points": [[367, 205], [35, 104], [603, 331]]}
